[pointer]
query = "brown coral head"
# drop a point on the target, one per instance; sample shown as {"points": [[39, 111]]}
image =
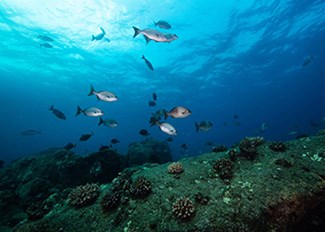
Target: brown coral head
{"points": [[175, 168], [141, 188], [84, 195], [183, 209]]}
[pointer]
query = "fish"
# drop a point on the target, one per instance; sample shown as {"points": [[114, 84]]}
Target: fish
{"points": [[90, 112], [204, 126], [114, 141], [156, 117], [209, 143], [235, 116], [313, 123], [104, 147], [69, 146], [163, 24], [263, 127], [99, 36], [46, 45], [144, 132], [57, 113], [108, 122], [31, 132], [177, 112], [167, 128], [103, 95], [170, 139], [45, 38], [85, 137], [154, 96], [184, 146], [307, 61], [151, 103], [293, 132], [157, 36], [149, 65]]}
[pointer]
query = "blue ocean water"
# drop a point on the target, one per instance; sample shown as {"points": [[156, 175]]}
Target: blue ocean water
{"points": [[238, 64]]}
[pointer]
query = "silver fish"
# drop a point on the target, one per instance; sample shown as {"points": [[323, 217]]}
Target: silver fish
{"points": [[177, 112], [167, 128], [163, 24], [91, 111], [151, 34], [99, 36], [103, 95], [204, 126]]}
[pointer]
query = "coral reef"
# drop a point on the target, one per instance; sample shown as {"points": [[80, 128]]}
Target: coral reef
{"points": [[284, 163], [224, 168], [219, 148], [199, 198], [37, 210], [233, 154], [149, 151], [84, 195], [111, 201], [141, 188], [278, 147], [175, 168], [183, 209], [248, 147]]}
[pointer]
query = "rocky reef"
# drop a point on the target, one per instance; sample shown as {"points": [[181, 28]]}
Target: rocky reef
{"points": [[249, 188]]}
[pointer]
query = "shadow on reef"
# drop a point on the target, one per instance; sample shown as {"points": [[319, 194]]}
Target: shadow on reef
{"points": [[28, 183]]}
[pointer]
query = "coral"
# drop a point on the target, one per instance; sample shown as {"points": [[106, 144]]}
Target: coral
{"points": [[203, 200], [224, 168], [110, 201], [183, 209], [141, 188], [84, 195], [233, 154], [175, 168], [278, 146], [248, 147], [219, 148], [37, 210]]}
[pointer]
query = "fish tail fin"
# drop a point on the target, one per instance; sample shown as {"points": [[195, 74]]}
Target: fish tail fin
{"points": [[165, 114], [101, 121], [102, 30], [136, 31], [92, 90], [143, 57], [197, 127], [79, 110], [52, 107], [92, 38]]}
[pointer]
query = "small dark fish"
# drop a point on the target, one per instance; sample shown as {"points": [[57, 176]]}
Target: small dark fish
{"points": [[225, 124], [163, 24], [85, 137], [152, 103], [237, 123], [154, 96], [204, 126], [184, 146], [313, 124], [170, 139], [69, 146], [236, 116], [209, 143], [57, 113], [149, 65], [46, 45], [219, 148], [45, 38], [144, 132], [31, 132], [114, 141], [307, 61], [104, 147], [99, 36]]}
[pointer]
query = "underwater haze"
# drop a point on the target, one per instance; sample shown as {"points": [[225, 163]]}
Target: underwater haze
{"points": [[250, 67]]}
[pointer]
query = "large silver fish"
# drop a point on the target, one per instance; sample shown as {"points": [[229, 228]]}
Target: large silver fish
{"points": [[178, 112], [103, 95], [151, 34], [108, 122], [91, 111], [167, 128]]}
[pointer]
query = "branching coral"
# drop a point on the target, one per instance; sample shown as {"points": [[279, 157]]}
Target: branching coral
{"points": [[278, 146], [175, 168], [84, 195], [183, 209], [248, 147], [141, 188], [110, 201]]}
